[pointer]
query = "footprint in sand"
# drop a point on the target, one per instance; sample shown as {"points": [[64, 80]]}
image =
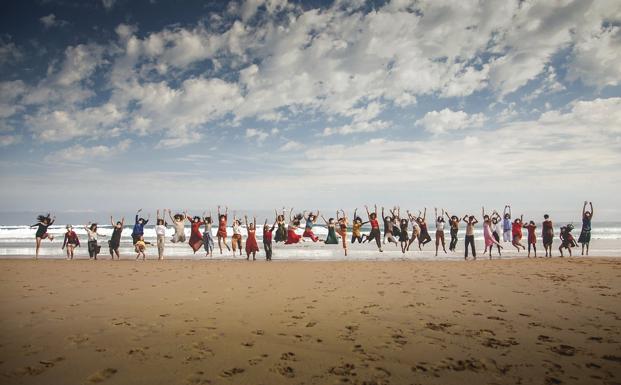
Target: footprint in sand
{"points": [[231, 372], [102, 375], [288, 356], [197, 379], [564, 350], [284, 370]]}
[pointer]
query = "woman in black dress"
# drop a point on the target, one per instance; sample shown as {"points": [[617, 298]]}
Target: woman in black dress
{"points": [[115, 239], [43, 222]]}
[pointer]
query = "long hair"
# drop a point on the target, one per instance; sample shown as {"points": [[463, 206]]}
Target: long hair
{"points": [[44, 218]]}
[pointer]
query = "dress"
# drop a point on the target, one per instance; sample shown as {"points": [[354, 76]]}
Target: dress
{"points": [[403, 233], [487, 235], [292, 237], [585, 233], [331, 238], [115, 239], [532, 236], [516, 231], [281, 233], [222, 227], [251, 242], [196, 238], [179, 235], [42, 230], [547, 232]]}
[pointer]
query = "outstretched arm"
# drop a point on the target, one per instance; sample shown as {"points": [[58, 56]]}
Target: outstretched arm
{"points": [[447, 214], [324, 219], [170, 215]]}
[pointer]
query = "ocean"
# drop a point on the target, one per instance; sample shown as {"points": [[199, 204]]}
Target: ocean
{"points": [[18, 242]]}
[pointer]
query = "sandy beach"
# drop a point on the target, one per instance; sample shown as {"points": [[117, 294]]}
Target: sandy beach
{"points": [[235, 322]]}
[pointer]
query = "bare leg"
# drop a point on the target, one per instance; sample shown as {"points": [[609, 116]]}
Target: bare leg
{"points": [[38, 245]]}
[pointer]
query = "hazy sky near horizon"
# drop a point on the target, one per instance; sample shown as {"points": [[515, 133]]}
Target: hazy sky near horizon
{"points": [[118, 104]]}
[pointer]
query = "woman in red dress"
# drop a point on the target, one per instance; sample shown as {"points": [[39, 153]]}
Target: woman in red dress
{"points": [[292, 237], [222, 220], [196, 236], [532, 237], [251, 241], [516, 232]]}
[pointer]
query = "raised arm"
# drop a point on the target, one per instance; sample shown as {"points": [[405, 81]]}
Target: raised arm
{"points": [[324, 219], [123, 222], [111, 221], [482, 211], [54, 220], [447, 215], [368, 213], [246, 220], [435, 210], [591, 204], [425, 214], [254, 222]]}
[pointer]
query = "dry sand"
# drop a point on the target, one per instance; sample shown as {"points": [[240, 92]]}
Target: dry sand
{"points": [[198, 322]]}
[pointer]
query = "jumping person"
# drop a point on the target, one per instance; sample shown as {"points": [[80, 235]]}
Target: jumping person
{"points": [[294, 224], [454, 224], [139, 224], [281, 231], [585, 232], [423, 237], [43, 222], [160, 233], [469, 240], [267, 239], [567, 239], [547, 234], [496, 223], [221, 234], [403, 234], [388, 227], [178, 222], [140, 248], [311, 219], [488, 235], [207, 237], [71, 241], [356, 228], [516, 232], [440, 231], [342, 221], [531, 227], [251, 239], [331, 238], [115, 240], [415, 228], [93, 248], [375, 230], [506, 224], [196, 237], [236, 238]]}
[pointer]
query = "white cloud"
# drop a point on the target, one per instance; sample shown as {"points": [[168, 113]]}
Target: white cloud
{"points": [[291, 145], [80, 62], [356, 128], [596, 58], [7, 140], [50, 21], [79, 153], [438, 122], [256, 134]]}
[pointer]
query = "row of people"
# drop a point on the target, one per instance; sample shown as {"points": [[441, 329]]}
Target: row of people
{"points": [[396, 230]]}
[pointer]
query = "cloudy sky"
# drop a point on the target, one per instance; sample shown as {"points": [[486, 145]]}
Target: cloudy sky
{"points": [[116, 104]]}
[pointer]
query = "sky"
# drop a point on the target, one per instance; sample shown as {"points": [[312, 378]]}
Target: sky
{"points": [[108, 106]]}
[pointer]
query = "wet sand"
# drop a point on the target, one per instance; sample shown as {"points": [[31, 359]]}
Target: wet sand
{"points": [[236, 322]]}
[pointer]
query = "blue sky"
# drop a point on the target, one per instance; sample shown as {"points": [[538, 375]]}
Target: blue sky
{"points": [[114, 105]]}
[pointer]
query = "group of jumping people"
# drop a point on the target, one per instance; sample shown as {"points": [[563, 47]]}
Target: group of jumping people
{"points": [[402, 230]]}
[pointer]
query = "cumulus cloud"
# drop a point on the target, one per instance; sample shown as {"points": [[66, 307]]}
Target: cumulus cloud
{"points": [[438, 122], [256, 134]]}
